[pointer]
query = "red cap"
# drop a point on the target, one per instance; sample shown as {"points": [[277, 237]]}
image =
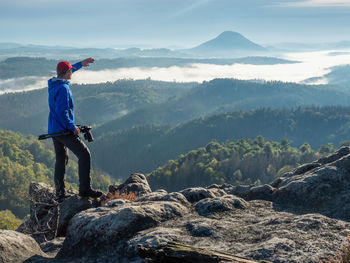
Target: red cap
{"points": [[63, 66]]}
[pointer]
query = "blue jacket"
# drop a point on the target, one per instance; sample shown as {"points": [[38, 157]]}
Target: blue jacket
{"points": [[61, 116]]}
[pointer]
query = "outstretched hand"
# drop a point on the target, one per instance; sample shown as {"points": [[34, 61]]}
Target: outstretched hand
{"points": [[87, 62]]}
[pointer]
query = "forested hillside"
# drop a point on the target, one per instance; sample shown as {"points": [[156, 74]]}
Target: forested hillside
{"points": [[245, 161], [128, 103], [24, 159], [27, 112], [143, 149], [227, 95]]}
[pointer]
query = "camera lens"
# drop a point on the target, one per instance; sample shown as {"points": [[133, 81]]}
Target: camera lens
{"points": [[88, 136]]}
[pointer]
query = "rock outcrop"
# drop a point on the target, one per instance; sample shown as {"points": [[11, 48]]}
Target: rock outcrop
{"points": [[300, 217], [136, 183], [322, 186], [48, 219], [17, 247]]}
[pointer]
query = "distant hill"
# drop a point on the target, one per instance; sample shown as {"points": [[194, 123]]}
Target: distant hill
{"points": [[226, 43], [339, 75], [227, 95], [143, 149]]}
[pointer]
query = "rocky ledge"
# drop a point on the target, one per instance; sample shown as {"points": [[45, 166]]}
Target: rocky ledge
{"points": [[303, 216]]}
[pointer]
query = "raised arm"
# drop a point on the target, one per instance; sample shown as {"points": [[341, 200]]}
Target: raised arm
{"points": [[85, 63]]}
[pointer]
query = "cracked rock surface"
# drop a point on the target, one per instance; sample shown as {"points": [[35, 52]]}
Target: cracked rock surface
{"points": [[303, 216]]}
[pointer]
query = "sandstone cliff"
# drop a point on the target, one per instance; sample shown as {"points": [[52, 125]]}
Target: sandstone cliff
{"points": [[302, 216]]}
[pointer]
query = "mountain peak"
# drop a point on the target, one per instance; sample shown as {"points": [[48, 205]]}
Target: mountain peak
{"points": [[228, 34], [228, 41]]}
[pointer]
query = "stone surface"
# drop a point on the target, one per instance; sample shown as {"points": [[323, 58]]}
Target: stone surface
{"points": [[164, 196], [322, 186], [52, 247], [209, 206], [102, 228], [17, 247], [70, 207], [202, 229], [136, 183], [302, 216], [176, 252], [196, 194], [48, 219]]}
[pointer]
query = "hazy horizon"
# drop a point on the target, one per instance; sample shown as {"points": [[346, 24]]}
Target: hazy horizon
{"points": [[171, 24], [312, 65]]}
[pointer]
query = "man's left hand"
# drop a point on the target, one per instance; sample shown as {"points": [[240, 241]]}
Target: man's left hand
{"points": [[87, 62]]}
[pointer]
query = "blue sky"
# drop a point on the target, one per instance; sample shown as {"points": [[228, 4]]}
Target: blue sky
{"points": [[171, 23]]}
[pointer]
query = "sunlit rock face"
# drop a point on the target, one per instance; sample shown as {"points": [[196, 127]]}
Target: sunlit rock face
{"points": [[300, 217]]}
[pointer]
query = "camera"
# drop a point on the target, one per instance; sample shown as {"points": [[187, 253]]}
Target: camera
{"points": [[87, 133]]}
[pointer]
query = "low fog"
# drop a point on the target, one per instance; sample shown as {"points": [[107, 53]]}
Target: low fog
{"points": [[312, 64]]}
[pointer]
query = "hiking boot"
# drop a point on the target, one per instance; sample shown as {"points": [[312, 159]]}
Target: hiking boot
{"points": [[60, 198], [90, 193]]}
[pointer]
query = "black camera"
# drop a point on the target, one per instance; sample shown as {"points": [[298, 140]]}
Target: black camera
{"points": [[87, 133]]}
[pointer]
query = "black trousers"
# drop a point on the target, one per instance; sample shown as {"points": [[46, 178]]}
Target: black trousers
{"points": [[78, 147]]}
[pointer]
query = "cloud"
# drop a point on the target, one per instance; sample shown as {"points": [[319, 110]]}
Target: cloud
{"points": [[22, 84], [314, 3], [313, 64]]}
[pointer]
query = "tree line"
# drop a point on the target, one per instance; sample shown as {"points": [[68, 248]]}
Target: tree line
{"points": [[245, 161]]}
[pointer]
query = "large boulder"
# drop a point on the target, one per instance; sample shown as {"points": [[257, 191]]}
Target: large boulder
{"points": [[317, 184], [196, 194], [49, 219], [321, 186], [274, 222], [162, 195], [17, 247], [136, 184], [70, 207], [97, 232], [52, 247], [225, 203]]}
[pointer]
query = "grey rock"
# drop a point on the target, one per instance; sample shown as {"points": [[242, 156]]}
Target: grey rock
{"points": [[300, 217], [153, 237], [17, 247], [52, 247], [162, 195], [116, 202], [240, 190], [153, 196], [201, 229], [195, 194], [48, 219], [321, 186], [209, 206], [259, 232], [264, 192], [70, 207], [136, 183], [97, 231]]}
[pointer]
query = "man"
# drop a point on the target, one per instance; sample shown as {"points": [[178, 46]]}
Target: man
{"points": [[61, 118]]}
